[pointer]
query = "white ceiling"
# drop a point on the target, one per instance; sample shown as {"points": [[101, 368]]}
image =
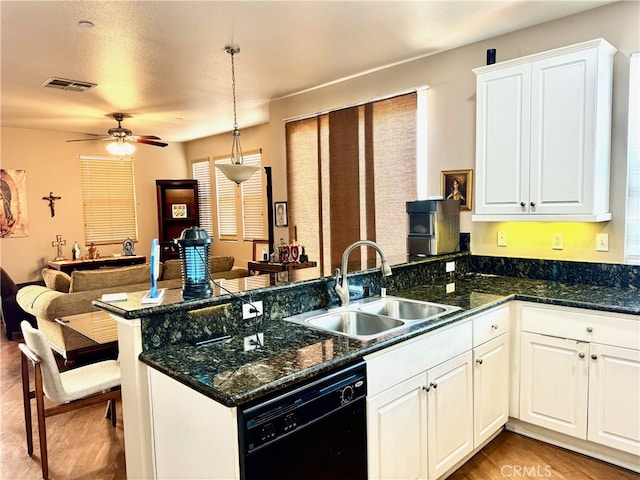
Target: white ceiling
{"points": [[163, 62]]}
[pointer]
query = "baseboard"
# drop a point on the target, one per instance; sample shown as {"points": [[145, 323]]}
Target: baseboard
{"points": [[584, 447]]}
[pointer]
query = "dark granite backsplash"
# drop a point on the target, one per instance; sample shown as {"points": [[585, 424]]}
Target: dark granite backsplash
{"points": [[223, 315], [601, 274]]}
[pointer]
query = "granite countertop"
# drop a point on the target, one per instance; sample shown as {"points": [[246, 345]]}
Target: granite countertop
{"points": [[231, 376]]}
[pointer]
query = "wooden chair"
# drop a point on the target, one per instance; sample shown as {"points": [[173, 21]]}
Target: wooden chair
{"points": [[70, 390]]}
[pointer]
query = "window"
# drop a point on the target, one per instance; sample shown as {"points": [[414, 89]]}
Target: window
{"points": [[349, 174], [240, 208], [108, 196], [201, 172], [632, 244]]}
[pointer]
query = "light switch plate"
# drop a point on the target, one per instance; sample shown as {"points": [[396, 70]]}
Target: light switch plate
{"points": [[502, 238], [602, 242]]}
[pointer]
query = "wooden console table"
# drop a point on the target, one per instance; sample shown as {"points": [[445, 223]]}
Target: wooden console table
{"points": [[68, 266], [266, 267]]}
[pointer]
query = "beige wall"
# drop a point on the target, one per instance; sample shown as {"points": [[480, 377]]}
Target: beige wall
{"points": [[451, 123], [251, 139], [51, 165]]}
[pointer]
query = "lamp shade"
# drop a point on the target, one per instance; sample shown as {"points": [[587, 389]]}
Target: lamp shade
{"points": [[236, 172], [120, 148], [194, 246]]}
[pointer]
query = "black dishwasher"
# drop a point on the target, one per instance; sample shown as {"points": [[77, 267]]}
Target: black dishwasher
{"points": [[316, 430]]}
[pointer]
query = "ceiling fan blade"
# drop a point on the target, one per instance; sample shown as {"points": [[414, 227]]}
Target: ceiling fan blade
{"points": [[151, 142], [147, 137], [90, 139]]}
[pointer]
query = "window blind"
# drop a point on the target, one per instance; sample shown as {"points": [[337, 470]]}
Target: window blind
{"points": [[108, 197], [201, 171], [226, 204], [349, 174], [632, 244], [253, 200]]}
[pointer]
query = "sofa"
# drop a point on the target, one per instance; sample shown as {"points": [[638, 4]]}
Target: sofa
{"points": [[64, 295], [10, 311]]}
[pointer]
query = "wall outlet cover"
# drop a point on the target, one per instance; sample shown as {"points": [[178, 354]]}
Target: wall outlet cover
{"points": [[450, 267], [502, 238], [247, 309], [557, 241], [602, 242]]}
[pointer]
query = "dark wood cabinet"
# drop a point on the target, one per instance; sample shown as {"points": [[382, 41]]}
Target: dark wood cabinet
{"points": [[177, 210]]}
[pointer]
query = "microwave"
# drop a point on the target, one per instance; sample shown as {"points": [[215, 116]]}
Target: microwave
{"points": [[433, 228]]}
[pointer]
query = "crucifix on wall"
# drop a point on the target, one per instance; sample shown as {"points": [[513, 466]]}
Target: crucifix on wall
{"points": [[52, 203]]}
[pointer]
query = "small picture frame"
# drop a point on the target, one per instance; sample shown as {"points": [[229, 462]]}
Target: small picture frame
{"points": [[281, 214], [458, 184], [179, 210]]}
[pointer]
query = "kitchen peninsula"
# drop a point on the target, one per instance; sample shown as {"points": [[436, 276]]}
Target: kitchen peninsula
{"points": [[224, 376]]}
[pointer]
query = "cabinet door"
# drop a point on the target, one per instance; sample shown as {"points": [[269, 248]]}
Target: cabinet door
{"points": [[449, 414], [614, 397], [396, 431], [502, 141], [563, 128], [553, 383], [490, 387]]}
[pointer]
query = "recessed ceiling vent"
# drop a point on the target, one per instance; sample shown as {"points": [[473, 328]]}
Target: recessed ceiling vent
{"points": [[65, 84]]}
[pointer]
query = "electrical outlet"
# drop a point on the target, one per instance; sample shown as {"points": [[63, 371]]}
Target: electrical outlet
{"points": [[450, 267], [450, 287], [602, 242], [247, 309], [253, 341], [502, 238], [556, 241]]}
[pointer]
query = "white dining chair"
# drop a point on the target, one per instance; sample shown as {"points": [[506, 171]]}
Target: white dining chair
{"points": [[70, 390]]}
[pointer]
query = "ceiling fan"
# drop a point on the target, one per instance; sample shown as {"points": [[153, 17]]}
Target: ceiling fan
{"points": [[122, 135]]}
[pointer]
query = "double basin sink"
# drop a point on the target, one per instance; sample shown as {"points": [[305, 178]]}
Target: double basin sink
{"points": [[373, 317]]}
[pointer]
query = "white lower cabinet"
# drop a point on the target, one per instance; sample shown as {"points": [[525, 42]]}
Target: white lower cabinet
{"points": [[433, 400], [490, 388], [449, 391], [423, 426], [580, 375]]}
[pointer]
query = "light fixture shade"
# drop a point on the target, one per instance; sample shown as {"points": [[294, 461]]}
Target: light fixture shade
{"points": [[194, 246], [120, 148], [236, 172]]}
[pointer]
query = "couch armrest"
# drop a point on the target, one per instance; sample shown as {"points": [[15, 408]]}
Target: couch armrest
{"points": [[39, 301]]}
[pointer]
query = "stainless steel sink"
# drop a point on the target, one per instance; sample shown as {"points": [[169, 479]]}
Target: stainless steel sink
{"points": [[406, 309], [372, 318], [355, 324]]}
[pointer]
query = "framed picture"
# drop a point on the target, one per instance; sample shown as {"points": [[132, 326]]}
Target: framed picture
{"points": [[179, 210], [458, 184], [282, 216]]}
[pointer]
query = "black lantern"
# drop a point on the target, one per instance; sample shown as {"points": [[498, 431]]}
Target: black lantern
{"points": [[194, 254]]}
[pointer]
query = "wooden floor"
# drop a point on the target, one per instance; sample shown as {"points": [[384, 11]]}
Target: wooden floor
{"points": [[83, 445]]}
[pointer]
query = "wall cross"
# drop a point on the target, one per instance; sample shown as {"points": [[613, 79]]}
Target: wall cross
{"points": [[52, 203]]}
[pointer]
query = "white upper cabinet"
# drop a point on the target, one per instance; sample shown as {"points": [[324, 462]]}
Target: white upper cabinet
{"points": [[543, 135]]}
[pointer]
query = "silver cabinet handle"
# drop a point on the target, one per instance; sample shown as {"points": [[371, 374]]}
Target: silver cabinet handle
{"points": [[426, 388], [589, 329], [494, 326], [581, 355], [522, 204], [433, 384], [479, 361], [594, 356]]}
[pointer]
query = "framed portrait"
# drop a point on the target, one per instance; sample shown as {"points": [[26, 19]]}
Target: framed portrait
{"points": [[281, 214], [179, 210], [458, 184]]}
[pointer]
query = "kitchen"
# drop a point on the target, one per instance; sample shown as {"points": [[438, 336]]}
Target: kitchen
{"points": [[483, 235]]}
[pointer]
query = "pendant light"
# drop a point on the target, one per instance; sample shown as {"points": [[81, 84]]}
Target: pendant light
{"points": [[235, 171]]}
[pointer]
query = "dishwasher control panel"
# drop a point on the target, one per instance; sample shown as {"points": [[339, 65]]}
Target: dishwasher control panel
{"points": [[303, 405]]}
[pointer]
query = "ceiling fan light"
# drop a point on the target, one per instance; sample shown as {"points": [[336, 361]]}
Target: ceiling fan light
{"points": [[120, 148], [236, 172]]}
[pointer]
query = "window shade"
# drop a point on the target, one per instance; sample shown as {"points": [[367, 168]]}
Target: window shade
{"points": [[226, 204], [201, 171], [632, 244], [109, 203], [253, 200], [349, 175]]}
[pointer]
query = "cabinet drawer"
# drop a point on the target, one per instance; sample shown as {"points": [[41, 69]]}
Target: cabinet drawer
{"points": [[584, 325], [400, 362], [491, 324]]}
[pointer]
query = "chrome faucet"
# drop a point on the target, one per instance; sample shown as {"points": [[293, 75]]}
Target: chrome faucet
{"points": [[342, 284]]}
